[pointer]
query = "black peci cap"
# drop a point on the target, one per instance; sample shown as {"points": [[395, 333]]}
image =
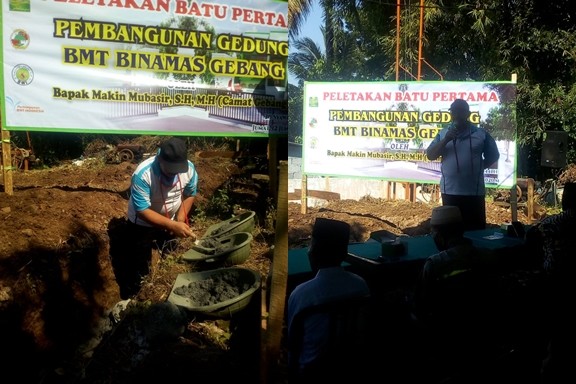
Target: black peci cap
{"points": [[334, 233], [459, 105], [174, 154]]}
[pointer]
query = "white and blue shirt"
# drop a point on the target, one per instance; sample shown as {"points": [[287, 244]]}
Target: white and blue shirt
{"points": [[464, 160], [150, 188]]}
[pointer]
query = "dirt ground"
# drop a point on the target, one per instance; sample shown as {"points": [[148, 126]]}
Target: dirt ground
{"points": [[403, 217], [58, 288], [57, 284], [400, 217]]}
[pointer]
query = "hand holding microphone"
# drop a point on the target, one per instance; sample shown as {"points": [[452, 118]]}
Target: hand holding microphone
{"points": [[452, 133]]}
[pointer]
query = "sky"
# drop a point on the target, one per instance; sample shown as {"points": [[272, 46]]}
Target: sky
{"points": [[311, 29]]}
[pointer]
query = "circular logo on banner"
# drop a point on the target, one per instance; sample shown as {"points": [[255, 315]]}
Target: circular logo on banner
{"points": [[20, 39], [22, 74]]}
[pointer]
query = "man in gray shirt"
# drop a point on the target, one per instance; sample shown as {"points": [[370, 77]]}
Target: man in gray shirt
{"points": [[466, 151]]}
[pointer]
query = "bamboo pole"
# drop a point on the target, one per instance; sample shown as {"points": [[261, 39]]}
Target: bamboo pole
{"points": [[279, 281], [7, 162], [420, 37], [530, 200], [304, 195]]}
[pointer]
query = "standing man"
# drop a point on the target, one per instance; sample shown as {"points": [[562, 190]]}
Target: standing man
{"points": [[162, 191], [466, 151]]}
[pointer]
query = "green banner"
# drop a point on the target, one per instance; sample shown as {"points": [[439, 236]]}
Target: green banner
{"points": [[145, 66]]}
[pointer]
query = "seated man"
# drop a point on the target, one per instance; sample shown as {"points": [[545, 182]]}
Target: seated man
{"points": [[554, 233], [332, 284], [555, 237], [457, 255], [453, 297]]}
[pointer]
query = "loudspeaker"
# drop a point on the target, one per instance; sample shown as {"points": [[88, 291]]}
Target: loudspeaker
{"points": [[554, 149]]}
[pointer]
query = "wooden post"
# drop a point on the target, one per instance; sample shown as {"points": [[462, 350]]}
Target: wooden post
{"points": [[411, 194], [304, 195], [279, 281], [530, 199], [383, 189], [514, 202], [272, 166], [406, 188], [7, 162]]}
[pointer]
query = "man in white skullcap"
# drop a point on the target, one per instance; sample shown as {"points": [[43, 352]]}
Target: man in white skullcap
{"points": [[451, 294], [456, 255]]}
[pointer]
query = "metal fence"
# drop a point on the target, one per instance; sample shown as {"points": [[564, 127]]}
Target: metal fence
{"points": [[430, 165], [259, 111]]}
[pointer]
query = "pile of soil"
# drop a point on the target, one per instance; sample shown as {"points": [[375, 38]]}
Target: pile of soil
{"points": [[61, 316]]}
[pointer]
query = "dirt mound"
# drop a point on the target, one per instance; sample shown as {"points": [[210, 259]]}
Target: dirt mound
{"points": [[57, 284]]}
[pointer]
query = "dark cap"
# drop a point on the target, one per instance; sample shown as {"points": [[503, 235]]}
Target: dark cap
{"points": [[331, 232], [174, 154], [460, 105]]}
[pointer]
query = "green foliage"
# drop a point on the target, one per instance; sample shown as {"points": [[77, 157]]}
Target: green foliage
{"points": [[220, 204], [478, 41], [500, 119], [306, 60], [298, 10], [199, 212], [294, 112]]}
